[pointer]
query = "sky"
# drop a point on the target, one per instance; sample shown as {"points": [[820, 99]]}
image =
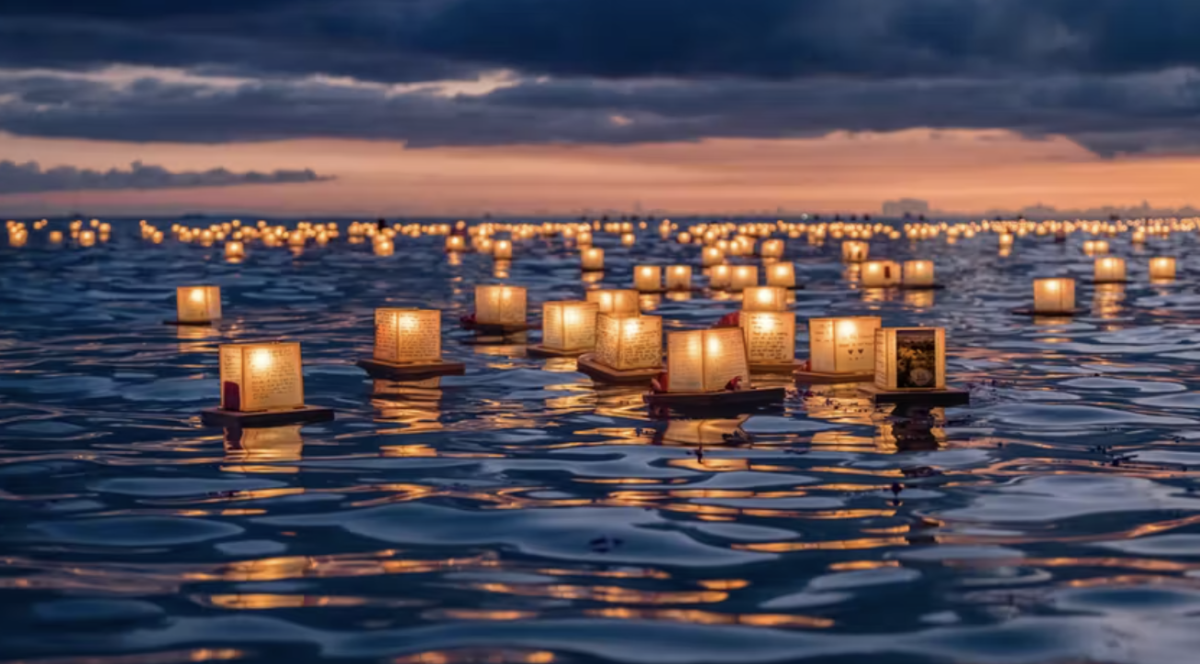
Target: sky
{"points": [[457, 107]]}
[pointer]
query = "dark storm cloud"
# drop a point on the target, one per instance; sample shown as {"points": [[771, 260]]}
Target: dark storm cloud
{"points": [[30, 178]]}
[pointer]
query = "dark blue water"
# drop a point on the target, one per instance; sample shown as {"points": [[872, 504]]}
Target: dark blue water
{"points": [[522, 514]]}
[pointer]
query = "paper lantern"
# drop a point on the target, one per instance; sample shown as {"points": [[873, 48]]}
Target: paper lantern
{"points": [[627, 239], [1095, 247], [918, 273], [764, 298], [625, 342], [1109, 270], [842, 345], [235, 250], [408, 335], [711, 256], [910, 358], [743, 277], [261, 377], [592, 258], [772, 249], [1052, 296], [647, 278], [679, 278], [1162, 269], [499, 305], [569, 325], [1005, 240], [455, 244], [855, 252], [198, 304], [706, 360], [619, 302], [720, 276], [502, 250], [770, 336], [880, 274], [782, 275]]}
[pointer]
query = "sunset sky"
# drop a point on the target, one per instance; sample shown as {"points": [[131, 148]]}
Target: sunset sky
{"points": [[390, 107]]}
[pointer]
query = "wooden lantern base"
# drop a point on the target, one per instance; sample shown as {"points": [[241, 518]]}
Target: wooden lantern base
{"points": [[180, 323], [782, 368], [216, 417], [587, 364], [1048, 314], [492, 328], [590, 270], [405, 371], [921, 288], [935, 398], [817, 378], [541, 351], [1106, 282], [752, 398]]}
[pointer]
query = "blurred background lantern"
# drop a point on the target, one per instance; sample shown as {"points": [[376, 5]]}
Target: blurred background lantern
{"points": [[854, 251], [743, 277], [918, 273], [647, 278], [499, 305], [782, 275], [619, 302], [679, 277], [1053, 296], [1162, 269], [198, 304], [880, 274], [592, 258], [764, 298], [1109, 270]]}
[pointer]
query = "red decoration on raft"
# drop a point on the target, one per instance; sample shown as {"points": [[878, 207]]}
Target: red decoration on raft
{"points": [[729, 320]]}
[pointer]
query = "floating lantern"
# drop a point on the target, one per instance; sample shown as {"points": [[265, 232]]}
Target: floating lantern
{"points": [[1110, 270], [842, 348], [592, 259], [880, 274], [627, 239], [647, 278], [918, 274], [1006, 240], [782, 275], [743, 276], [198, 305], [617, 302], [910, 358], [772, 249], [711, 256], [455, 244], [1162, 269], [770, 338], [764, 298], [720, 277], [408, 344], [502, 250], [1095, 247], [87, 238], [56, 237], [854, 251], [568, 327], [1053, 296], [262, 384], [235, 250], [500, 305], [627, 343], [679, 278], [706, 360]]}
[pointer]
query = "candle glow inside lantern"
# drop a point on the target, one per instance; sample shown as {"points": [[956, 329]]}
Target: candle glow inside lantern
{"points": [[743, 277], [626, 343], [235, 249], [455, 244], [405, 336], [1162, 268], [502, 250], [764, 298], [569, 325], [772, 249], [1053, 296], [1109, 270], [647, 278], [706, 360], [918, 273], [592, 258], [720, 276], [880, 274], [782, 275], [855, 252], [711, 256], [620, 302], [198, 304], [842, 346], [770, 337], [679, 277], [261, 377], [499, 305], [910, 358]]}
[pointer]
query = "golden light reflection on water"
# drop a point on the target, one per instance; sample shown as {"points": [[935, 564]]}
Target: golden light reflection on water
{"points": [[713, 618], [247, 449], [479, 656]]}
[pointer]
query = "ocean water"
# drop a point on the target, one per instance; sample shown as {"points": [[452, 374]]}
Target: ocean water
{"points": [[520, 513]]}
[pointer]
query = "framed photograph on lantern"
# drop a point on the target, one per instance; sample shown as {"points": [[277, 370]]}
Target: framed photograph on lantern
{"points": [[910, 368]]}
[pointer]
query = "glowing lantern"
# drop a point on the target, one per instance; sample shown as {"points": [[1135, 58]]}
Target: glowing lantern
{"points": [[629, 342], [1006, 240], [499, 305], [408, 335], [1109, 270], [772, 249], [260, 377], [455, 244], [198, 304], [770, 337], [502, 250], [711, 256], [56, 237], [910, 358], [569, 325], [627, 239], [592, 259], [842, 346], [679, 278], [615, 301], [764, 298], [720, 276], [1053, 296], [782, 275], [1095, 247], [880, 274], [1162, 269], [706, 360], [918, 273], [743, 277], [234, 250], [647, 278], [87, 238], [855, 252]]}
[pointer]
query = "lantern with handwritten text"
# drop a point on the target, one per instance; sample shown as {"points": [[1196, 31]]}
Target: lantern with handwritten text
{"points": [[569, 325], [1053, 296], [706, 360], [770, 337], [499, 305], [647, 278], [198, 304], [910, 358], [626, 342], [261, 377], [408, 335], [842, 346]]}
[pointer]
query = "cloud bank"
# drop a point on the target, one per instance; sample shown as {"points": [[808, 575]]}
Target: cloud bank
{"points": [[30, 178]]}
